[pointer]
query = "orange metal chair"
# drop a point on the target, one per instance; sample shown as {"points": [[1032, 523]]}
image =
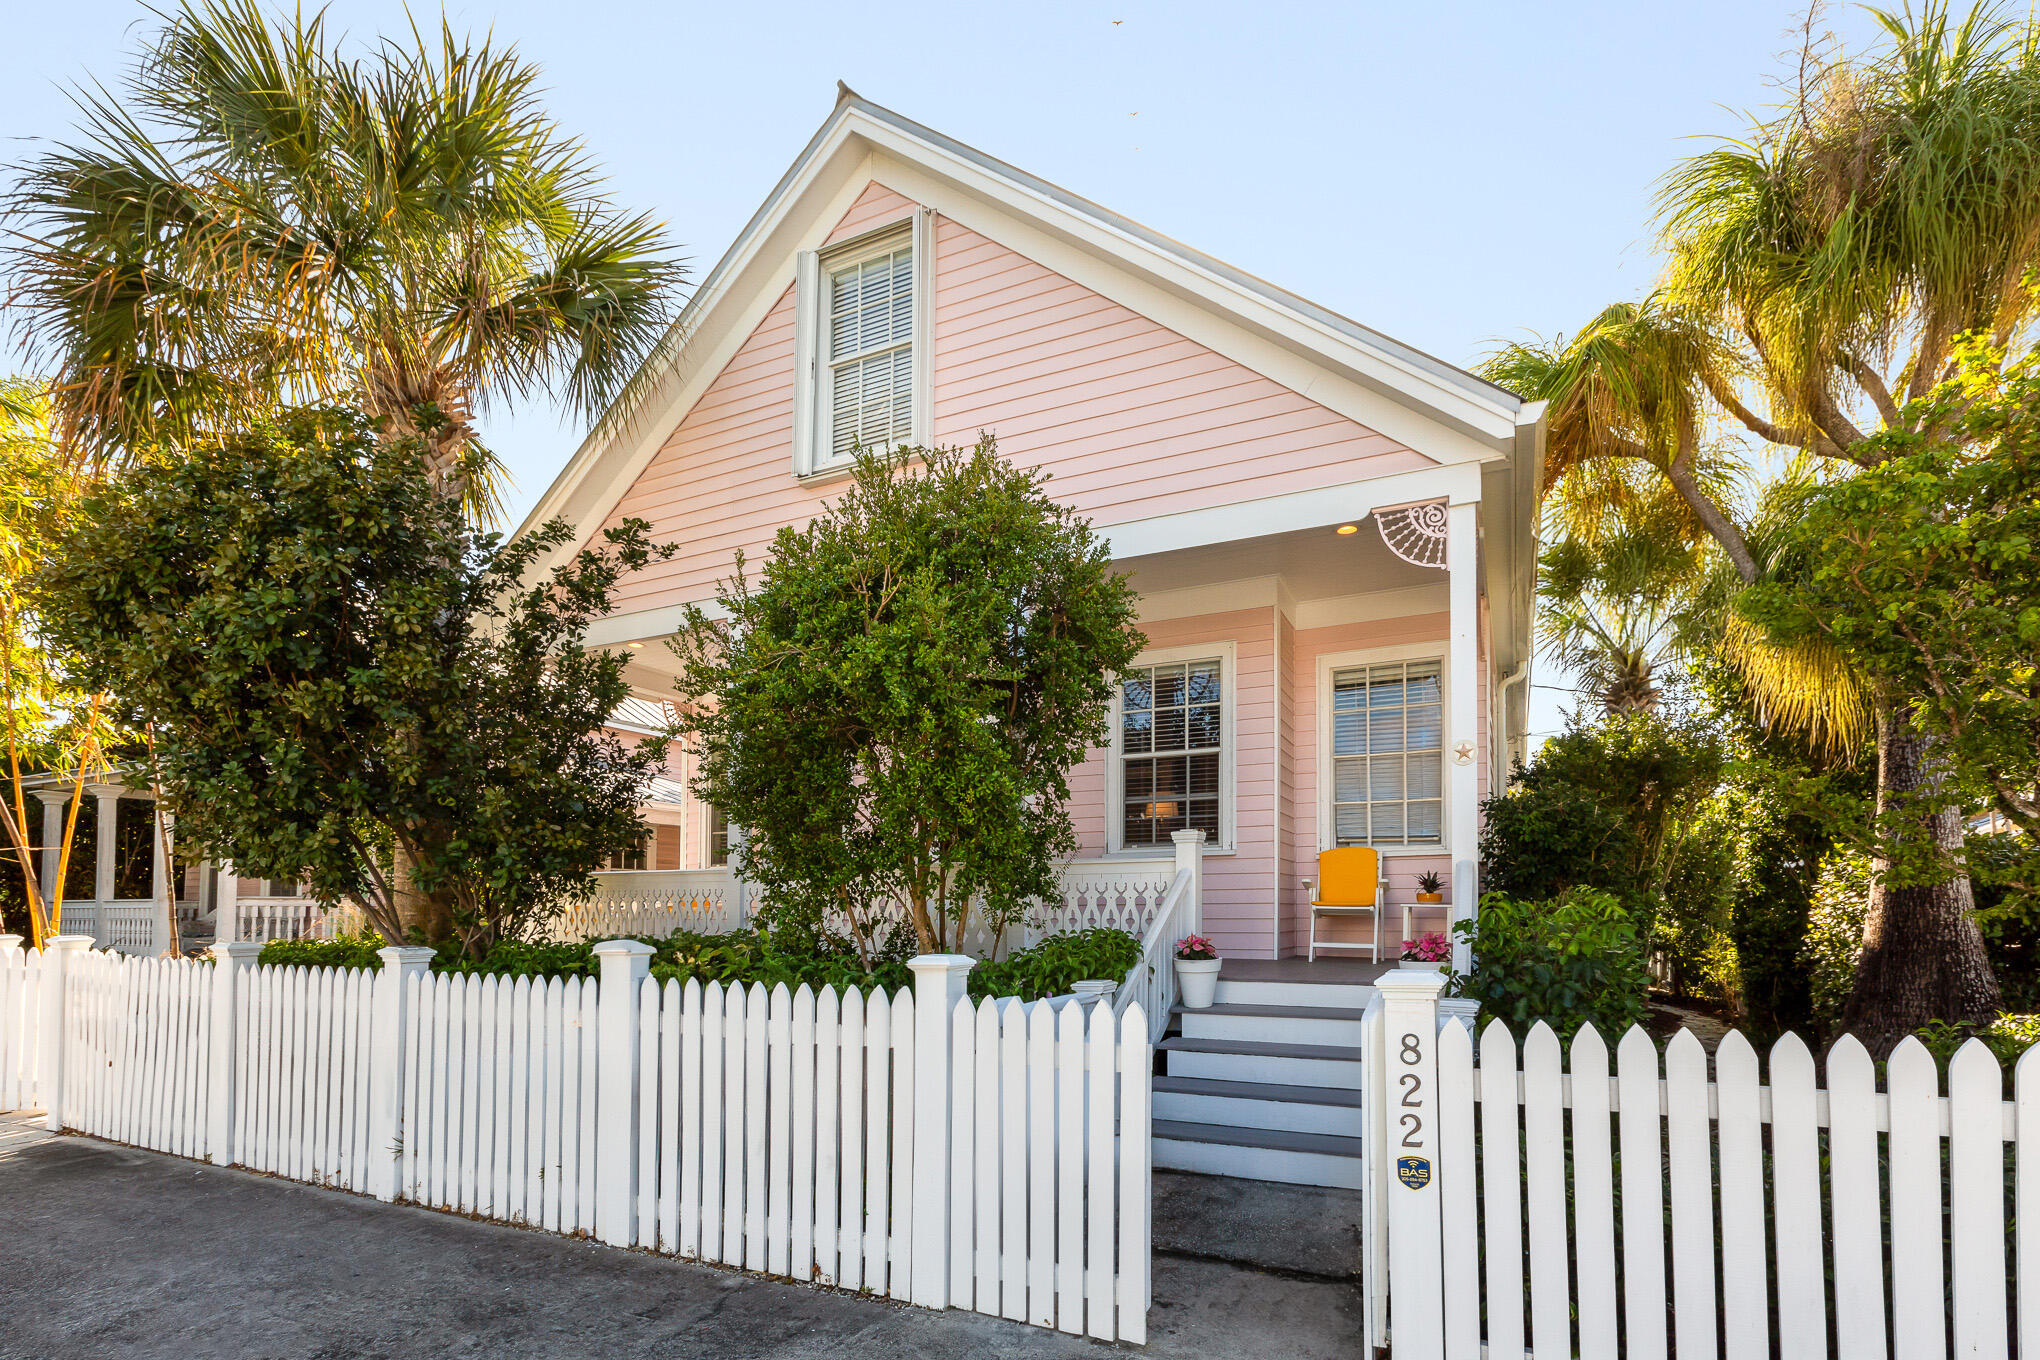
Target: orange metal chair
{"points": [[1350, 882]]}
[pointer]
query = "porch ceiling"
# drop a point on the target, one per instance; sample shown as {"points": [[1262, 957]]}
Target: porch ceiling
{"points": [[1313, 564]]}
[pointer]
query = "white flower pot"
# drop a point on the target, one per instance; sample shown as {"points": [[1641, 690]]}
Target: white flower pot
{"points": [[1196, 982], [1422, 966]]}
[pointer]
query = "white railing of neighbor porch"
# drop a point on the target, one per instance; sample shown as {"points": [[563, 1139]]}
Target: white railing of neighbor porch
{"points": [[261, 919], [992, 1157], [655, 903], [1663, 1210]]}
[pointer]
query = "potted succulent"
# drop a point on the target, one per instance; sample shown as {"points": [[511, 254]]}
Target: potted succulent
{"points": [[1430, 952], [1429, 887], [1196, 971]]}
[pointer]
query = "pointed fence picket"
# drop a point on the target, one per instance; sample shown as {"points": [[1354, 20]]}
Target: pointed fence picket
{"points": [[1671, 1206]]}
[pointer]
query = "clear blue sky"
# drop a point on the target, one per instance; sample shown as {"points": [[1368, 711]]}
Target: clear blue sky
{"points": [[1450, 174]]}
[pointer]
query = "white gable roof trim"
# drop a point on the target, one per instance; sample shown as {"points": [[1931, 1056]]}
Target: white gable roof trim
{"points": [[1328, 357]]}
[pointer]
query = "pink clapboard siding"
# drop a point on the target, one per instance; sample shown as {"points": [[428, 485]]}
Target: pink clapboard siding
{"points": [[1238, 887], [1130, 418]]}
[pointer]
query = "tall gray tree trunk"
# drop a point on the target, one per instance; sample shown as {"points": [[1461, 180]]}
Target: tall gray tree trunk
{"points": [[1923, 956]]}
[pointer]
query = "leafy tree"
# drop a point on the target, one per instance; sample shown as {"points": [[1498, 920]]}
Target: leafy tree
{"points": [[50, 727], [1821, 271], [892, 709], [1924, 569], [337, 667], [260, 219]]}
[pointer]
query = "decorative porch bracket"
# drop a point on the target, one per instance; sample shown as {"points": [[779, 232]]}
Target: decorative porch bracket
{"points": [[1415, 533]]}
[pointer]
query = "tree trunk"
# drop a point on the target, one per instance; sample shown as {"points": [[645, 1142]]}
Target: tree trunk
{"points": [[423, 916], [1923, 957]]}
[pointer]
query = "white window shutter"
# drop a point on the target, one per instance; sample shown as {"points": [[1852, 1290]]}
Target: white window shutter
{"points": [[924, 327], [807, 407]]}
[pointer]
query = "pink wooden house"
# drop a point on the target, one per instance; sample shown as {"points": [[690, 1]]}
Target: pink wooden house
{"points": [[1332, 533]]}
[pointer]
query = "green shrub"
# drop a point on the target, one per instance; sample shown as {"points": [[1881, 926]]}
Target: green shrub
{"points": [[1834, 933], [2007, 1037], [1052, 966], [1568, 961], [347, 951], [761, 955]]}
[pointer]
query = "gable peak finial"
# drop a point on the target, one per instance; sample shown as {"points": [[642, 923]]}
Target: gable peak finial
{"points": [[843, 92]]}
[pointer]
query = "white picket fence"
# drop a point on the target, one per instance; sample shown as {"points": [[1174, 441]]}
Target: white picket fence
{"points": [[992, 1157], [20, 1018], [1548, 1203]]}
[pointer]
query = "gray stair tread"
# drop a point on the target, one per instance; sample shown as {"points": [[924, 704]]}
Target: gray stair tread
{"points": [[1334, 1052], [1274, 1012], [1258, 1090], [1280, 1140]]}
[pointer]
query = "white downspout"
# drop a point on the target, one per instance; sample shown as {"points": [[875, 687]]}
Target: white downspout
{"points": [[1516, 676]]}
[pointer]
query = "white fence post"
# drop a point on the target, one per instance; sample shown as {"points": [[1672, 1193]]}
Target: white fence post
{"points": [[231, 962], [1404, 1086], [939, 983], [387, 1023], [1190, 855], [58, 953], [624, 966]]}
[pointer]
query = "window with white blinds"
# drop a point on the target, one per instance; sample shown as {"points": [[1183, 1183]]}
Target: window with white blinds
{"points": [[870, 350], [1388, 754], [1171, 740]]}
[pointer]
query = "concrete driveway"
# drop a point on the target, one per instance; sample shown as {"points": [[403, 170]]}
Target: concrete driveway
{"points": [[109, 1252]]}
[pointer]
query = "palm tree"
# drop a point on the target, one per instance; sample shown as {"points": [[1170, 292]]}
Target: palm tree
{"points": [[258, 219], [1612, 611], [1822, 272]]}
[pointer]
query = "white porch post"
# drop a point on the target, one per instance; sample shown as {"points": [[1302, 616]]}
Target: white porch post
{"points": [[226, 902], [109, 822], [1462, 744], [53, 801], [1190, 855]]}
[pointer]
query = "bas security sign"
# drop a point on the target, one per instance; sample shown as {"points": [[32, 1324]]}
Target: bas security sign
{"points": [[1415, 1172]]}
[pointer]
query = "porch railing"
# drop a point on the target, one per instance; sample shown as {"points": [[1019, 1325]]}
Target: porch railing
{"points": [[131, 927], [657, 902], [1152, 980], [287, 918]]}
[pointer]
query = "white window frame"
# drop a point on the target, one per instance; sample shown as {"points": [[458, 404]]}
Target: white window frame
{"points": [[1228, 751], [1330, 662], [811, 396]]}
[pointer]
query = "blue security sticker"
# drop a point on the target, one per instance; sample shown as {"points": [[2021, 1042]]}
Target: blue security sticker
{"points": [[1415, 1172]]}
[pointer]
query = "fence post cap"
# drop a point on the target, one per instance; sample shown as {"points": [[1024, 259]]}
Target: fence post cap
{"points": [[238, 951], [9, 943], [629, 949], [1411, 984], [406, 955], [1187, 836], [69, 944], [941, 963]]}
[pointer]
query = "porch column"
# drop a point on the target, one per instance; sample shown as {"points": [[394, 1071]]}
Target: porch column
{"points": [[159, 859], [1462, 768], [109, 822], [53, 802]]}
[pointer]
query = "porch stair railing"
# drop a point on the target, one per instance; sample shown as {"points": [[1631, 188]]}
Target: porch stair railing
{"points": [[1152, 980]]}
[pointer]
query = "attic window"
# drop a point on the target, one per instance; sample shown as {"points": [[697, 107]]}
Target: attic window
{"points": [[863, 336]]}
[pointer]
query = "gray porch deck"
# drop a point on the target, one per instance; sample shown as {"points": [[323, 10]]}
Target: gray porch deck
{"points": [[1322, 969]]}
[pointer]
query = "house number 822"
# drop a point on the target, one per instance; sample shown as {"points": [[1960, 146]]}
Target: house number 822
{"points": [[1412, 1120]]}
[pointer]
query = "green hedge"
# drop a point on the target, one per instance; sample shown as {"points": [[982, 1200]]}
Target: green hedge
{"points": [[759, 956]]}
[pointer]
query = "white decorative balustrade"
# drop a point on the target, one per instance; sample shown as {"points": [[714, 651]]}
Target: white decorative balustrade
{"points": [[656, 903], [1179, 911], [262, 919]]}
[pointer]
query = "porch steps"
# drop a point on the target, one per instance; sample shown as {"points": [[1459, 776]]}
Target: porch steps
{"points": [[1257, 1105], [1265, 1082], [1259, 1154]]}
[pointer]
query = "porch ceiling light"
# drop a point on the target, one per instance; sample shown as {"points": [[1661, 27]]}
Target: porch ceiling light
{"points": [[636, 646], [1349, 528]]}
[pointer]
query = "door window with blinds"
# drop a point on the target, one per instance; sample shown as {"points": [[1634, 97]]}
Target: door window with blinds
{"points": [[1171, 748], [1388, 753]]}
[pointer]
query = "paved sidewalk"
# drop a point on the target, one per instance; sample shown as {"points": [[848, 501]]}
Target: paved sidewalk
{"points": [[109, 1252]]}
